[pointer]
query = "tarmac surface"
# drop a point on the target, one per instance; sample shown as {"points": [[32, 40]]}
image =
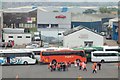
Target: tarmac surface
{"points": [[109, 70]]}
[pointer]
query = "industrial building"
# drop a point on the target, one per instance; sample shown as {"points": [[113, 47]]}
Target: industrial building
{"points": [[113, 24], [53, 24], [24, 17], [92, 21], [82, 37]]}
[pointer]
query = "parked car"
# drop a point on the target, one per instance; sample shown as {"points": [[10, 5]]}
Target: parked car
{"points": [[32, 46]]}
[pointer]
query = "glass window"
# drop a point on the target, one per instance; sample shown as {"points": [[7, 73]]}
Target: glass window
{"points": [[27, 36], [19, 36], [113, 54], [36, 52], [10, 36], [54, 25], [43, 25]]}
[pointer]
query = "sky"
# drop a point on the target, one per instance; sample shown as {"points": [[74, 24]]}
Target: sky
{"points": [[60, 0]]}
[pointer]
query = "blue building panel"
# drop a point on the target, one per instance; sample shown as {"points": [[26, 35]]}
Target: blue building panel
{"points": [[92, 25], [115, 31]]}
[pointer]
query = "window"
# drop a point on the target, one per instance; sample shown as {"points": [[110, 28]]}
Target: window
{"points": [[105, 54], [43, 25], [64, 53], [54, 25], [79, 53], [22, 54], [36, 52], [112, 50], [27, 36], [10, 36], [19, 36]]}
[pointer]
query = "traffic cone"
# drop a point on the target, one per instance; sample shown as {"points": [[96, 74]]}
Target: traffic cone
{"points": [[17, 76], [79, 78]]}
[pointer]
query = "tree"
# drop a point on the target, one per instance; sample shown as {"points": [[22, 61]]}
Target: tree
{"points": [[89, 11], [104, 10]]}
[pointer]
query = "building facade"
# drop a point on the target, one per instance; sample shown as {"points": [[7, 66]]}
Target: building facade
{"points": [[18, 38], [91, 21], [20, 17], [53, 24], [82, 37], [113, 24], [17, 35]]}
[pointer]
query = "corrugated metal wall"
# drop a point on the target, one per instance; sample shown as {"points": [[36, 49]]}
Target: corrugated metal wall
{"points": [[92, 25]]}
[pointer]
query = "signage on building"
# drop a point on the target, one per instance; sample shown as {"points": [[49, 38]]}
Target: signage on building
{"points": [[60, 16]]}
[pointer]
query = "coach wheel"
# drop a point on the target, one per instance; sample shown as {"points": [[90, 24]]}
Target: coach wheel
{"points": [[25, 63], [102, 61], [78, 60], [54, 61]]}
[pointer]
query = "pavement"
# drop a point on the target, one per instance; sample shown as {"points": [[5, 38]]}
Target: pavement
{"points": [[109, 70]]}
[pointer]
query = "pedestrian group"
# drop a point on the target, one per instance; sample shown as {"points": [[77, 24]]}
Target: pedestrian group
{"points": [[63, 66]]}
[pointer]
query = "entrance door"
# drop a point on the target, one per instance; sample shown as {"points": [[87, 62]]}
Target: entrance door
{"points": [[88, 43]]}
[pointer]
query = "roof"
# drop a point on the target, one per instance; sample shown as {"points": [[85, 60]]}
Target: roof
{"points": [[115, 24], [114, 19], [14, 51], [25, 9], [105, 15], [91, 17], [78, 29], [16, 33]]}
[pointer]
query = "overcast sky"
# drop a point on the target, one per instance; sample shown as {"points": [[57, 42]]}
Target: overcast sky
{"points": [[60, 0]]}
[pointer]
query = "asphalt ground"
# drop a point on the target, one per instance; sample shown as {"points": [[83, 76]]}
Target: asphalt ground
{"points": [[109, 70]]}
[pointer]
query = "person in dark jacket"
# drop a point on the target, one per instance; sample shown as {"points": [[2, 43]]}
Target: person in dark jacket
{"points": [[99, 65]]}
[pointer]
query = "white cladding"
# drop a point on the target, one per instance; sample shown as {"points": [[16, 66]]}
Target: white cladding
{"points": [[13, 30], [52, 33], [18, 41], [77, 39], [50, 18]]}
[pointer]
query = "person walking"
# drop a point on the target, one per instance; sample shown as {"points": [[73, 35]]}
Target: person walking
{"points": [[84, 66], [66, 64], [61, 66], [75, 63], [94, 67], [58, 66], [80, 66], [64, 67], [99, 65], [69, 64]]}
